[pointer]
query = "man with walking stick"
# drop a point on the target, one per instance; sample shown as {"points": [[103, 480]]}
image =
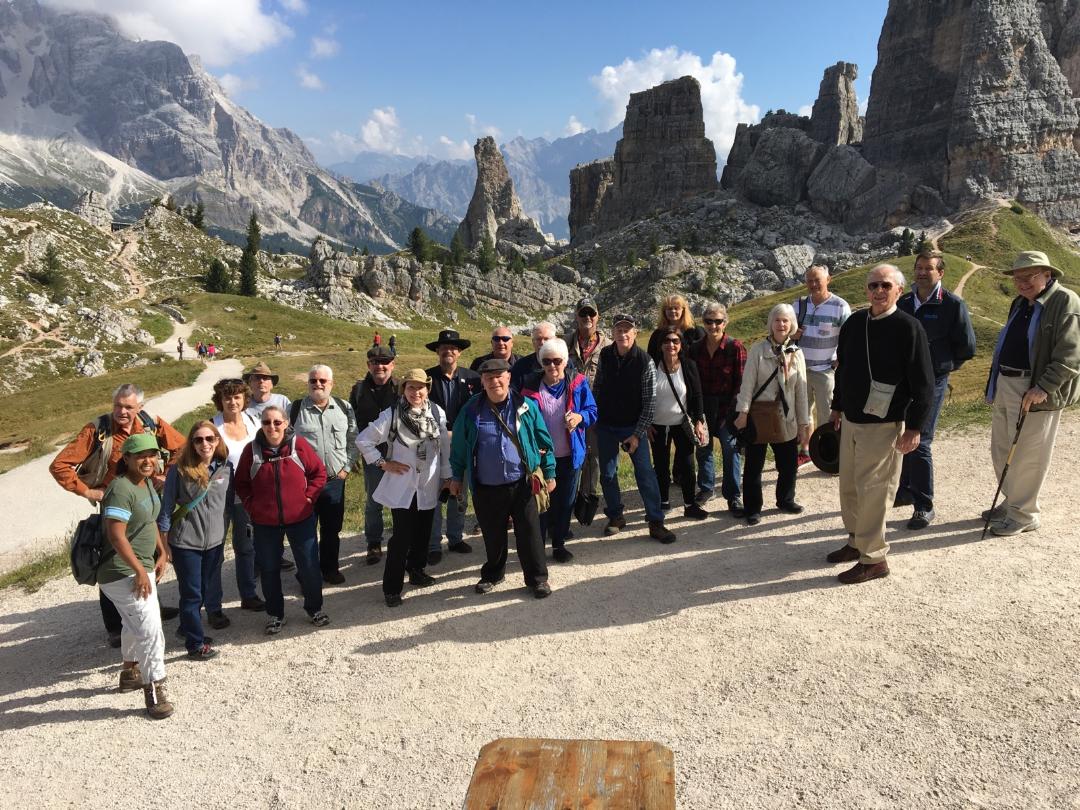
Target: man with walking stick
{"points": [[1035, 372]]}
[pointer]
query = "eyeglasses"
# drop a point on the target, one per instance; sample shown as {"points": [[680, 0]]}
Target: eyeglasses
{"points": [[1027, 277], [884, 285], [274, 422], [715, 321], [586, 313], [206, 439], [672, 341], [314, 380], [552, 361], [502, 338]]}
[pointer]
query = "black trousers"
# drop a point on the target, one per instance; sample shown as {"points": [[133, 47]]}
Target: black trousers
{"points": [[109, 614], [494, 508], [787, 467], [407, 549], [663, 437], [330, 513]]}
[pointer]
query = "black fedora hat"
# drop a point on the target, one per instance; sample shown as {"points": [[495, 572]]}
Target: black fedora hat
{"points": [[825, 449], [449, 336]]}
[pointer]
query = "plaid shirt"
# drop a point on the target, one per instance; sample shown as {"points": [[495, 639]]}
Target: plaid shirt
{"points": [[721, 373]]}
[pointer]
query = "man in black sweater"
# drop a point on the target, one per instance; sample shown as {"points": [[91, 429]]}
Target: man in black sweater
{"points": [[884, 390]]}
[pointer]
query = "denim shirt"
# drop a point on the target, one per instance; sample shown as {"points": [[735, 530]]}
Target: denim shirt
{"points": [[497, 459]]}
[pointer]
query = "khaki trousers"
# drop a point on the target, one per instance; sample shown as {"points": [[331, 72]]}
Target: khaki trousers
{"points": [[869, 475], [1031, 461], [819, 385]]}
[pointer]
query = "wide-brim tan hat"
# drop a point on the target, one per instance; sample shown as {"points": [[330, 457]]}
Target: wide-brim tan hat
{"points": [[416, 375], [262, 370], [1033, 258]]}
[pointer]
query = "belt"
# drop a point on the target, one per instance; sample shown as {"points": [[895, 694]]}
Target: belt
{"points": [[1009, 371]]}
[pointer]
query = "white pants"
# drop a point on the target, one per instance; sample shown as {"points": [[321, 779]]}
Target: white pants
{"points": [[141, 639], [1034, 451]]}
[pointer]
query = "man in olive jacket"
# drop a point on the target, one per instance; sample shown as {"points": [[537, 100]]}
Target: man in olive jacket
{"points": [[1035, 369]]}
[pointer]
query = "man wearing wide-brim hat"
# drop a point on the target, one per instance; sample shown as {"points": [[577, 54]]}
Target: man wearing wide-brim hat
{"points": [[261, 381], [1035, 369]]}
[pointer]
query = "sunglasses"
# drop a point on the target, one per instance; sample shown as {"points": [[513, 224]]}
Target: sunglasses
{"points": [[313, 380], [586, 313], [206, 439], [715, 321], [874, 285], [274, 422], [502, 338], [260, 377], [552, 361], [379, 362], [672, 341]]}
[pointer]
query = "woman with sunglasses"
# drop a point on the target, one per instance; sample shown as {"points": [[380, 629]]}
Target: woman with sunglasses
{"points": [[776, 368], [237, 427], [195, 511], [569, 409], [679, 410], [674, 311], [279, 477]]}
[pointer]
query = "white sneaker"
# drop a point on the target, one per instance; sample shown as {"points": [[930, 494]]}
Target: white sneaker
{"points": [[1010, 527]]}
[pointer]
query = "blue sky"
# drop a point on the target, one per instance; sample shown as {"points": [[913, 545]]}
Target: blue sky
{"points": [[430, 77]]}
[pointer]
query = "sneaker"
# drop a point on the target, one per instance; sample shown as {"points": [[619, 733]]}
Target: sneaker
{"points": [[921, 519], [658, 531], [392, 599], [997, 513], [461, 548], [614, 525], [434, 557], [203, 653], [274, 625], [541, 590], [802, 459], [287, 564], [562, 554], [374, 553], [130, 679], [252, 603], [735, 507], [790, 507], [335, 578], [1009, 527], [695, 512], [320, 619], [218, 620], [421, 578]]}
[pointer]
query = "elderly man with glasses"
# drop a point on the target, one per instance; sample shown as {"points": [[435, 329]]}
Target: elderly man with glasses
{"points": [[530, 363], [585, 341], [881, 401]]}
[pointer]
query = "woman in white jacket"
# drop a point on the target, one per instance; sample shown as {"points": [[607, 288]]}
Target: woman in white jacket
{"points": [[417, 442], [776, 367]]}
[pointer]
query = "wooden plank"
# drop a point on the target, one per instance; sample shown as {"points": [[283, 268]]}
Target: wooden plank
{"points": [[517, 773]]}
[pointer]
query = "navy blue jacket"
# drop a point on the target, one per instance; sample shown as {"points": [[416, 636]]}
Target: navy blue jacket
{"points": [[464, 384], [947, 324]]}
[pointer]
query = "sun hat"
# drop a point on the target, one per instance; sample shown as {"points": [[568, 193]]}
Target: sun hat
{"points": [[494, 366], [262, 370], [825, 449], [416, 375], [450, 336], [138, 442], [1033, 258]]}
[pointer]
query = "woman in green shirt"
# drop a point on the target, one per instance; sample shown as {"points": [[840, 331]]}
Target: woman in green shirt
{"points": [[130, 509]]}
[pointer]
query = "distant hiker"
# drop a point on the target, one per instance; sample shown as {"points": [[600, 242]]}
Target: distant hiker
{"points": [[130, 508], [277, 341], [952, 342], [377, 341], [87, 465], [502, 348], [200, 349], [195, 513], [674, 311], [211, 351], [451, 387], [370, 397], [393, 344], [1035, 369], [329, 425], [279, 478], [237, 428], [180, 348]]}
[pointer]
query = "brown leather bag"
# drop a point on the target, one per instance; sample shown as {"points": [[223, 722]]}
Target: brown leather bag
{"points": [[768, 421]]}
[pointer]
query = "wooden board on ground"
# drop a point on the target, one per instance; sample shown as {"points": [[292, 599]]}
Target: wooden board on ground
{"points": [[515, 773]]}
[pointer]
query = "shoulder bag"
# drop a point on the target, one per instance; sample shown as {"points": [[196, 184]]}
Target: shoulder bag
{"points": [[536, 478], [687, 423]]}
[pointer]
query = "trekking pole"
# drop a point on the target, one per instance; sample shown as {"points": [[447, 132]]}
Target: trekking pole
{"points": [[1005, 469]]}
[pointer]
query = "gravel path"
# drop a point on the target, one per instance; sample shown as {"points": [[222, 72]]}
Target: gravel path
{"points": [[953, 683]]}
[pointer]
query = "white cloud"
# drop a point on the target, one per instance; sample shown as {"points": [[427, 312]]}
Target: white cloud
{"points": [[219, 32], [295, 6], [324, 47], [721, 89], [806, 109], [308, 80], [478, 128], [574, 127], [455, 149], [234, 85], [382, 132]]}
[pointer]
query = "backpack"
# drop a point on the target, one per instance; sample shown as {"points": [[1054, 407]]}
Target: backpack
{"points": [[94, 467], [89, 549], [257, 459]]}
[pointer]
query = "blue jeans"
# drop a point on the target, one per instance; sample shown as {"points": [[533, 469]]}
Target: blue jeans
{"points": [[305, 549], [198, 576], [555, 522], [917, 472], [244, 551], [455, 521], [608, 439], [373, 511], [731, 485]]}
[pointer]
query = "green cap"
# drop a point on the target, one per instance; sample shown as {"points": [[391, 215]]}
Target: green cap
{"points": [[139, 442]]}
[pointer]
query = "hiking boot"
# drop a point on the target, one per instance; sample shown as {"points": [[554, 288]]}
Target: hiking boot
{"points": [[252, 603], [461, 548], [921, 519], [754, 519], [695, 512], [130, 679], [434, 557], [997, 513], [847, 553], [320, 619], [864, 572], [374, 553], [334, 578], [274, 625], [203, 653], [392, 599], [658, 531], [421, 578], [157, 700], [486, 586], [541, 590], [790, 507], [735, 507], [1009, 527], [218, 620], [614, 525], [562, 554]]}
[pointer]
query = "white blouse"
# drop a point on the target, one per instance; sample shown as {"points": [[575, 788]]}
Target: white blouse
{"points": [[668, 412], [425, 476]]}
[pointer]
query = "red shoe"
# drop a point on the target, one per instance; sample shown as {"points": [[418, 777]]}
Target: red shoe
{"points": [[802, 459]]}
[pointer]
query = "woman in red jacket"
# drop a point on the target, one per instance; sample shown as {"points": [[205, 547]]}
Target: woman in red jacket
{"points": [[278, 478]]}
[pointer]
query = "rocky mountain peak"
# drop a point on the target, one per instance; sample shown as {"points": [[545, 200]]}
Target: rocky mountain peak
{"points": [[835, 119], [495, 211]]}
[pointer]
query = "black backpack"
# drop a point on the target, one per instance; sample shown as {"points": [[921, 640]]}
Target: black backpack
{"points": [[89, 549]]}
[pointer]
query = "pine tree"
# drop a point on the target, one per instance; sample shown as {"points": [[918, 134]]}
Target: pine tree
{"points": [[487, 260], [249, 260], [536, 263], [654, 245], [419, 244], [51, 273], [602, 269], [631, 257], [907, 243], [517, 265], [922, 243], [445, 276], [198, 219], [218, 278], [457, 251]]}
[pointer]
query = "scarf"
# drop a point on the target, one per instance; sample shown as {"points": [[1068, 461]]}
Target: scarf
{"points": [[784, 354], [420, 421], [556, 391]]}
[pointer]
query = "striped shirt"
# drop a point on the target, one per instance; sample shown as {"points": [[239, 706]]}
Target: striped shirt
{"points": [[821, 329]]}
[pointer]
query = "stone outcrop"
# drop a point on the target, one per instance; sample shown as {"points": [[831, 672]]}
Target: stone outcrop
{"points": [[495, 211], [663, 157], [746, 139], [91, 207], [835, 120], [779, 167]]}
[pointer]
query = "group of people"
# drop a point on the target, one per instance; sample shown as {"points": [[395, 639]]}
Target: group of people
{"points": [[205, 351], [533, 437]]}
